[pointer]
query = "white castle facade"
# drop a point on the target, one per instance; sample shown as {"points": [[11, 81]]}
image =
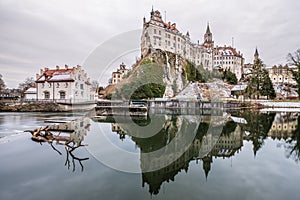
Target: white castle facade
{"points": [[158, 34]]}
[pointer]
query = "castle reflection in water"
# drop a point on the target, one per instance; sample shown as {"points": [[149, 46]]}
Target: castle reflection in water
{"points": [[186, 138], [208, 144]]}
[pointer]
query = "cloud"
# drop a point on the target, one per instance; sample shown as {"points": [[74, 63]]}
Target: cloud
{"points": [[49, 33]]}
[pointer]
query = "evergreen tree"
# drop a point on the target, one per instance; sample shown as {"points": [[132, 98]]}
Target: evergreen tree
{"points": [[294, 59], [267, 88], [260, 82], [255, 82], [229, 77]]}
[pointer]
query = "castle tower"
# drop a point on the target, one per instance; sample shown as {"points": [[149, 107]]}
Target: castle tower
{"points": [[208, 42]]}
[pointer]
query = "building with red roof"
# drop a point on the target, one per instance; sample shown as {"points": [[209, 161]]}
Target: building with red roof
{"points": [[70, 85]]}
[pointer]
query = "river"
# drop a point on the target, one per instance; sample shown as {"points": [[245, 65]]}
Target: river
{"points": [[237, 155]]}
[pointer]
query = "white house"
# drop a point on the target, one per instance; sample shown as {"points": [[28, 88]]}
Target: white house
{"points": [[70, 85], [30, 93]]}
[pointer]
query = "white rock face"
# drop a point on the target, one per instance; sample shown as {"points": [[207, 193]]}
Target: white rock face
{"points": [[168, 79]]}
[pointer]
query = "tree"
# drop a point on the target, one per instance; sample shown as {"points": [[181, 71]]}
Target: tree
{"points": [[229, 77], [2, 84], [294, 59], [94, 85], [260, 82], [267, 88], [27, 83], [255, 80]]}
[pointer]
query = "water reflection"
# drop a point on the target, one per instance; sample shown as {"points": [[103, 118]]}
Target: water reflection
{"points": [[254, 127], [70, 135], [207, 143]]}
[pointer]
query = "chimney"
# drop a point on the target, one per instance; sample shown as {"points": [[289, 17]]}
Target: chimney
{"points": [[66, 66], [41, 71], [36, 76], [57, 67], [78, 66], [174, 24]]}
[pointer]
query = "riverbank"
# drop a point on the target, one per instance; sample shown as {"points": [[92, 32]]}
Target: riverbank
{"points": [[30, 107]]}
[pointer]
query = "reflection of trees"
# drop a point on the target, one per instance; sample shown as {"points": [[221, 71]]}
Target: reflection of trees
{"points": [[258, 126], [69, 135], [294, 143]]}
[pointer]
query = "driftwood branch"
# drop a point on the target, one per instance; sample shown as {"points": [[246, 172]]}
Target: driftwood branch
{"points": [[43, 134]]}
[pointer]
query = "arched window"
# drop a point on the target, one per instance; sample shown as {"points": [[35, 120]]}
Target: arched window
{"points": [[46, 95], [62, 94]]}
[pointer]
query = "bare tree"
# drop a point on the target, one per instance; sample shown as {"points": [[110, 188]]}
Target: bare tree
{"points": [[27, 83], [294, 59], [2, 84]]}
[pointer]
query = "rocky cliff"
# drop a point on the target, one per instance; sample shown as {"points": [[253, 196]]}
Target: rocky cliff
{"points": [[158, 74]]}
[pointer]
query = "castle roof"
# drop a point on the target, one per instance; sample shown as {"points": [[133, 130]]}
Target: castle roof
{"points": [[171, 27], [228, 51], [256, 52], [208, 29]]}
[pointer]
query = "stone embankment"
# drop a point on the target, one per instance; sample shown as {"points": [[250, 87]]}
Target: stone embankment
{"points": [[30, 107]]}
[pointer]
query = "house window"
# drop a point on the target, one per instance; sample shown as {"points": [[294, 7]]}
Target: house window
{"points": [[66, 85], [49, 85], [57, 85], [62, 94], [47, 95], [159, 32], [154, 31], [81, 86], [43, 85]]}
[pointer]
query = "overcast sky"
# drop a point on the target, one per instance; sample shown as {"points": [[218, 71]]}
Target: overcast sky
{"points": [[35, 34]]}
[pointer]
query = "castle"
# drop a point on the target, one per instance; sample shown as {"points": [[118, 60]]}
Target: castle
{"points": [[158, 34]]}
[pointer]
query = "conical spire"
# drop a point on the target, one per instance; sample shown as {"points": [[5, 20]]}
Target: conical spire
{"points": [[152, 11], [208, 29], [256, 55], [256, 52]]}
